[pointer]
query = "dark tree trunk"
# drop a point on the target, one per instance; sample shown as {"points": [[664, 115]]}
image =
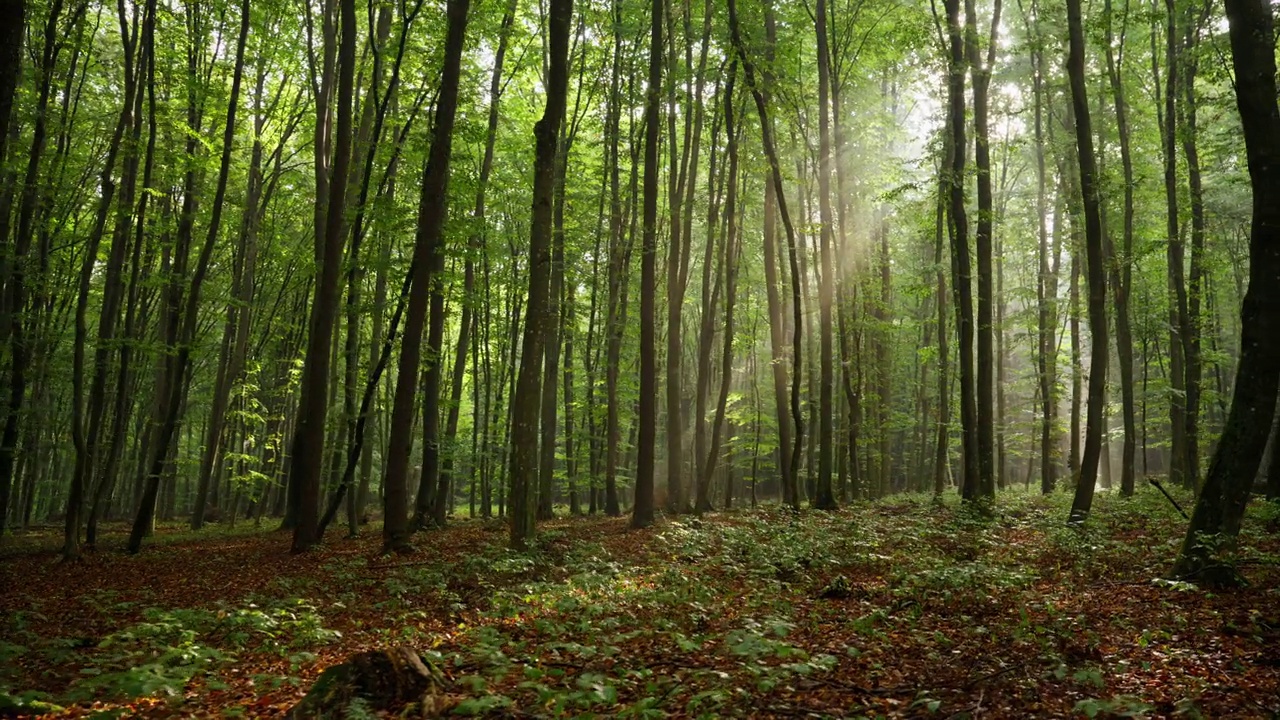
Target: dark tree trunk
{"points": [[1096, 270], [825, 498], [432, 207], [182, 328], [474, 247], [961, 266], [1192, 327], [12, 24], [981, 75], [730, 255], [525, 401], [1122, 264], [1220, 506], [306, 451], [643, 508], [789, 478], [1179, 323]]}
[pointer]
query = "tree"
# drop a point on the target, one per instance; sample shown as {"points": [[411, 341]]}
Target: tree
{"points": [[13, 20], [825, 499], [1121, 264], [642, 511], [981, 73], [1095, 266], [961, 265], [525, 402], [306, 451], [1215, 521], [432, 207]]}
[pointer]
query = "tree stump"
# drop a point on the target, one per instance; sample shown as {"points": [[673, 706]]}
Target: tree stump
{"points": [[375, 680]]}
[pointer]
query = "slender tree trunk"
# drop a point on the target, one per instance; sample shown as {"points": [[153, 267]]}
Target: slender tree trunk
{"points": [[14, 296], [1122, 264], [643, 509], [1193, 324], [1096, 270], [941, 458], [182, 328], [981, 75], [825, 498], [525, 400], [432, 208], [731, 251], [790, 485], [1179, 471], [618, 285], [307, 447], [474, 247], [961, 268]]}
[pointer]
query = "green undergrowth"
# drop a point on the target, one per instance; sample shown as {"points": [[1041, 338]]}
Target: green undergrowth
{"points": [[913, 601]]}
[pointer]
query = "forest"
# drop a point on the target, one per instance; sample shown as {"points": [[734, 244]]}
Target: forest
{"points": [[884, 358]]}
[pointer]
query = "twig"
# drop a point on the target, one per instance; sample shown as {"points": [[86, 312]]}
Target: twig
{"points": [[989, 676]]}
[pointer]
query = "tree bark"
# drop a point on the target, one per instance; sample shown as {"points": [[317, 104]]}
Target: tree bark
{"points": [[432, 208], [1221, 503], [643, 510], [825, 498], [1096, 270], [961, 267], [1122, 265], [526, 399], [981, 76]]}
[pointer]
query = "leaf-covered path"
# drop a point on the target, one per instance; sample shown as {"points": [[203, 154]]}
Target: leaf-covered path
{"points": [[900, 609]]}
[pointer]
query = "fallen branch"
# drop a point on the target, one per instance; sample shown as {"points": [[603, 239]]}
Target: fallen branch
{"points": [[1160, 487]]}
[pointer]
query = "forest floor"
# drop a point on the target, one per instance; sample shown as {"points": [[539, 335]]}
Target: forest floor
{"points": [[902, 608]]}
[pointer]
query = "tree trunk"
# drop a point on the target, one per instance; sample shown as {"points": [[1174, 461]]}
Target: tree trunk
{"points": [[525, 400], [731, 251], [643, 509], [789, 477], [981, 76], [961, 267], [1096, 270], [1122, 265], [1046, 280], [1221, 503], [432, 208], [1179, 471], [306, 451], [172, 390], [825, 498], [1193, 322]]}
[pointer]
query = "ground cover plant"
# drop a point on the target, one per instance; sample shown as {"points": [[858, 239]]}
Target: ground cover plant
{"points": [[903, 608]]}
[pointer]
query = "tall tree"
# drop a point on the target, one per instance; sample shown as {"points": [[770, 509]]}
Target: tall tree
{"points": [[13, 22], [642, 511], [432, 208], [825, 498], [475, 246], [306, 451], [525, 402], [183, 328], [1121, 264], [1225, 492], [790, 485], [13, 299], [981, 74], [1095, 266], [961, 265], [1179, 322]]}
